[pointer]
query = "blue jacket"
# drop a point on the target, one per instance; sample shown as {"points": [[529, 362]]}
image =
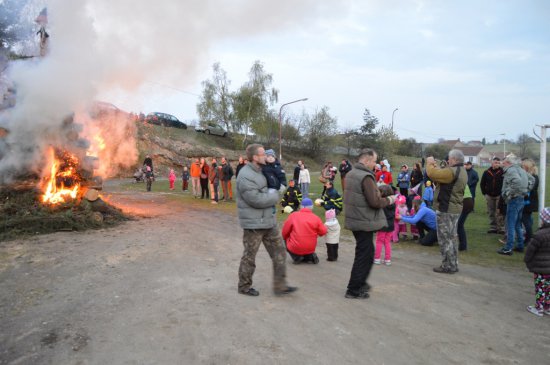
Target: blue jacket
{"points": [[403, 179], [424, 215], [428, 194]]}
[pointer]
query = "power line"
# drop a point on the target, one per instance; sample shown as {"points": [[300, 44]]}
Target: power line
{"points": [[446, 135], [173, 88]]}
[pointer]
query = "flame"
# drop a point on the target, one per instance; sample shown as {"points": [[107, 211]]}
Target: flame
{"points": [[61, 171], [98, 145]]}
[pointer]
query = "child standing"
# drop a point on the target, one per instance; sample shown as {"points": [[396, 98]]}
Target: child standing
{"points": [[185, 178], [172, 178], [428, 195], [384, 236], [537, 260], [333, 234], [400, 211]]}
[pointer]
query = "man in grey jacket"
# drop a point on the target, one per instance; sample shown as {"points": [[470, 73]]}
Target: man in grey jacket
{"points": [[256, 210], [514, 187]]}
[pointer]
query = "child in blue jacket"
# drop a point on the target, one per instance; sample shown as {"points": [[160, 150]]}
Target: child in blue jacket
{"points": [[428, 195]]}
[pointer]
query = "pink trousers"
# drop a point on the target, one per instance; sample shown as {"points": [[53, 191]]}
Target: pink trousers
{"points": [[383, 239]]}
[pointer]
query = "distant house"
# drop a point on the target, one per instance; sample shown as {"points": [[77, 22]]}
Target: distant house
{"points": [[475, 143], [475, 155], [451, 143]]}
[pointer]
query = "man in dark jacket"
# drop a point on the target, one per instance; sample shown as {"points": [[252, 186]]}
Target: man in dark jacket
{"points": [[296, 175], [473, 179], [331, 198], [344, 168], [364, 216], [227, 174], [240, 165], [255, 208], [491, 188]]}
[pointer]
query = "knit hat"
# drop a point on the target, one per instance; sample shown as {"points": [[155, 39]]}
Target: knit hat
{"points": [[270, 152], [545, 215], [307, 203], [417, 197], [330, 214], [428, 183], [401, 199]]}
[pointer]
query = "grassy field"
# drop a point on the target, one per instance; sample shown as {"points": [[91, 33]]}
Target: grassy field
{"points": [[482, 247]]}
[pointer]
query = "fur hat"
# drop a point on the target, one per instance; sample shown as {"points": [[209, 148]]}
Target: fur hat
{"points": [[330, 214], [307, 203], [270, 152], [545, 215]]}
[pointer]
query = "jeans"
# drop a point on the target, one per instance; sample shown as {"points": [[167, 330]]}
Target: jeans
{"points": [[304, 187], [362, 264], [527, 220], [514, 211]]}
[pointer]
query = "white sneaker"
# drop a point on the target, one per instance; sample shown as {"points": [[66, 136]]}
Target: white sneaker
{"points": [[388, 262], [547, 312], [377, 261], [535, 311]]}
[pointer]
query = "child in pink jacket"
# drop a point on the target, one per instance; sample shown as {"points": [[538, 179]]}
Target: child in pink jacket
{"points": [[172, 178]]}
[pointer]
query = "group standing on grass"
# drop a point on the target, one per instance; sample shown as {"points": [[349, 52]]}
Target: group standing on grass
{"points": [[434, 200]]}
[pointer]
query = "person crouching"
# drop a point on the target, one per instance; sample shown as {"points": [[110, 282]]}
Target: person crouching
{"points": [[332, 238], [292, 197], [300, 233]]}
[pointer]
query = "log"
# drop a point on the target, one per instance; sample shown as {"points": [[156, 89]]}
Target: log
{"points": [[91, 195]]}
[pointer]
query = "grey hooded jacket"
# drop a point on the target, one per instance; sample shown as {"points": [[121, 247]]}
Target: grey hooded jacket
{"points": [[516, 183], [255, 203]]}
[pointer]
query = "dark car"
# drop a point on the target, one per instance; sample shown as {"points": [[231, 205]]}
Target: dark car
{"points": [[165, 120]]}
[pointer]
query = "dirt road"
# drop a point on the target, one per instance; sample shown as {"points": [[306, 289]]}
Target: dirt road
{"points": [[162, 290]]}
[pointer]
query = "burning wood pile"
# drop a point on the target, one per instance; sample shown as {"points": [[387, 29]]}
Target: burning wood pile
{"points": [[65, 195]]}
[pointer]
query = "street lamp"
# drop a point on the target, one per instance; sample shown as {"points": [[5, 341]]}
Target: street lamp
{"points": [[280, 126], [392, 114], [504, 141]]}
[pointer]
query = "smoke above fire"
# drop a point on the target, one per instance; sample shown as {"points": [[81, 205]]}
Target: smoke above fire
{"points": [[97, 46]]}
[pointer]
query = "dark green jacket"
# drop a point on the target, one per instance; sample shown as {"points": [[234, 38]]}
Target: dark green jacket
{"points": [[359, 215]]}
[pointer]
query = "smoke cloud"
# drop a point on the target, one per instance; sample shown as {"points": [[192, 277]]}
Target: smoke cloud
{"points": [[100, 45]]}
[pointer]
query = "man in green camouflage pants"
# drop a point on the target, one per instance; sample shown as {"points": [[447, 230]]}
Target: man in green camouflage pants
{"points": [[451, 179], [252, 238], [256, 210]]}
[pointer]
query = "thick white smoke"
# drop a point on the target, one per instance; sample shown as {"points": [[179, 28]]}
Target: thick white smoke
{"points": [[99, 45]]}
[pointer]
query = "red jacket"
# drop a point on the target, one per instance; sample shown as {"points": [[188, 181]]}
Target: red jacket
{"points": [[388, 179], [300, 232]]}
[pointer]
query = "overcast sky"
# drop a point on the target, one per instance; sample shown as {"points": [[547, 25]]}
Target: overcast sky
{"points": [[468, 69]]}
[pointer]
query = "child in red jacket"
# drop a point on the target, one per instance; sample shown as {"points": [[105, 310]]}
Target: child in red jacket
{"points": [[300, 233], [172, 178]]}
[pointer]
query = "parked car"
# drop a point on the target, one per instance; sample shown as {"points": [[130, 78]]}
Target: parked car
{"points": [[165, 120], [211, 128]]}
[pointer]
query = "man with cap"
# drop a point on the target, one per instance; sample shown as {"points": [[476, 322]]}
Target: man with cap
{"points": [[514, 187], [473, 179], [300, 233]]}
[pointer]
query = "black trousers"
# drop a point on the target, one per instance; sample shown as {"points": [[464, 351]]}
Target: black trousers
{"points": [[204, 188], [362, 264], [462, 238], [427, 236]]}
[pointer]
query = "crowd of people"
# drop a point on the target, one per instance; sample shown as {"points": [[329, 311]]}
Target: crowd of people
{"points": [[429, 203]]}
